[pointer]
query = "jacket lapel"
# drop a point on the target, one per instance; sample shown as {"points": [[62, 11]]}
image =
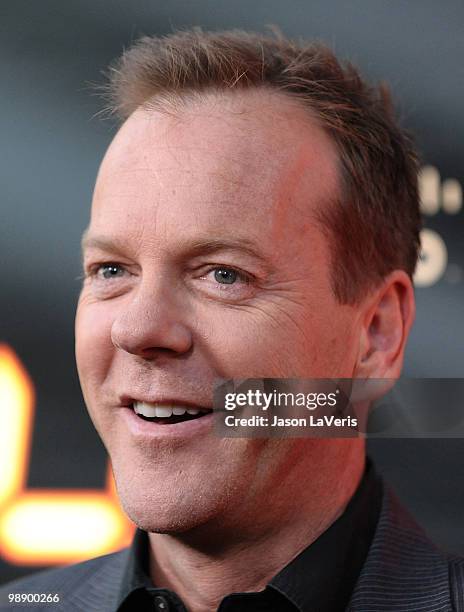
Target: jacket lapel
{"points": [[403, 570], [99, 590]]}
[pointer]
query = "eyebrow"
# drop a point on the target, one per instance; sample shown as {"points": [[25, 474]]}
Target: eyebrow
{"points": [[88, 241], [242, 245], [194, 249]]}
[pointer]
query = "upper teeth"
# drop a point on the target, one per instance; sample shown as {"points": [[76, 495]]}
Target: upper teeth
{"points": [[151, 410]]}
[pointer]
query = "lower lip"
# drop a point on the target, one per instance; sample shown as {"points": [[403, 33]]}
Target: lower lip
{"points": [[149, 429]]}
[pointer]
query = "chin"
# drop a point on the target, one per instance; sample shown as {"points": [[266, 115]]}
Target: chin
{"points": [[159, 517], [161, 525], [161, 509]]}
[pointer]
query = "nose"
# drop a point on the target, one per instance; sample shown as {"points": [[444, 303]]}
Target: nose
{"points": [[151, 324]]}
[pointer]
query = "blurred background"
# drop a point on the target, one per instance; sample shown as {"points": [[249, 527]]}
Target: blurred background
{"points": [[56, 503]]}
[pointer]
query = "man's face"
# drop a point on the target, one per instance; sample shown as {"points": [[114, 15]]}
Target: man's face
{"points": [[204, 261]]}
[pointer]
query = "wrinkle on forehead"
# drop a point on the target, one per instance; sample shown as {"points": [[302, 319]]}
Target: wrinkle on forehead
{"points": [[252, 148]]}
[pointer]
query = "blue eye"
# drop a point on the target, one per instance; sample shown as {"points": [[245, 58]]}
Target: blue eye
{"points": [[110, 270], [225, 276]]}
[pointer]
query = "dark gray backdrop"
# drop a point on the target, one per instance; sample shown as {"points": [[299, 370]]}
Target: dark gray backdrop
{"points": [[50, 148]]}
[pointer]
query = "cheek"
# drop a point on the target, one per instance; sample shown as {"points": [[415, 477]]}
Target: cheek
{"points": [[94, 348], [283, 343], [260, 344], [337, 346]]}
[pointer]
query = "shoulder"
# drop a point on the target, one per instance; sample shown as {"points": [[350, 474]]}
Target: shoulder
{"points": [[79, 586], [456, 565], [405, 568]]}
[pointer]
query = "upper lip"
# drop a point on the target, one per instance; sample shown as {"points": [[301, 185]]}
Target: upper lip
{"points": [[129, 400]]}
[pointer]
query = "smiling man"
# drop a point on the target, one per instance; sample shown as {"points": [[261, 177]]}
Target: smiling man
{"points": [[256, 215]]}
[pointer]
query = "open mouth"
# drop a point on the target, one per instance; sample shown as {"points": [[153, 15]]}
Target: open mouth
{"points": [[166, 414]]}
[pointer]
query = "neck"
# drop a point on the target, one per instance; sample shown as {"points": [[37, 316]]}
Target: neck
{"points": [[205, 564]]}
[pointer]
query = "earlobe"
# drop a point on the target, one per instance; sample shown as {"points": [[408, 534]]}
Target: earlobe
{"points": [[389, 314]]}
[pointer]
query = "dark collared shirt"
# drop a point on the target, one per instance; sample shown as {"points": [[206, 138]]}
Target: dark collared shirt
{"points": [[321, 578]]}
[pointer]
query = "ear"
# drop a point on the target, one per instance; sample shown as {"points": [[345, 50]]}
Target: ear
{"points": [[386, 321]]}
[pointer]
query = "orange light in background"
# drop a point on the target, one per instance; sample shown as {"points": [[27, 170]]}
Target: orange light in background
{"points": [[60, 527], [16, 416], [45, 526]]}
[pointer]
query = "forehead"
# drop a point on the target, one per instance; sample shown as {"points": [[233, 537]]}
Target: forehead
{"points": [[255, 160]]}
